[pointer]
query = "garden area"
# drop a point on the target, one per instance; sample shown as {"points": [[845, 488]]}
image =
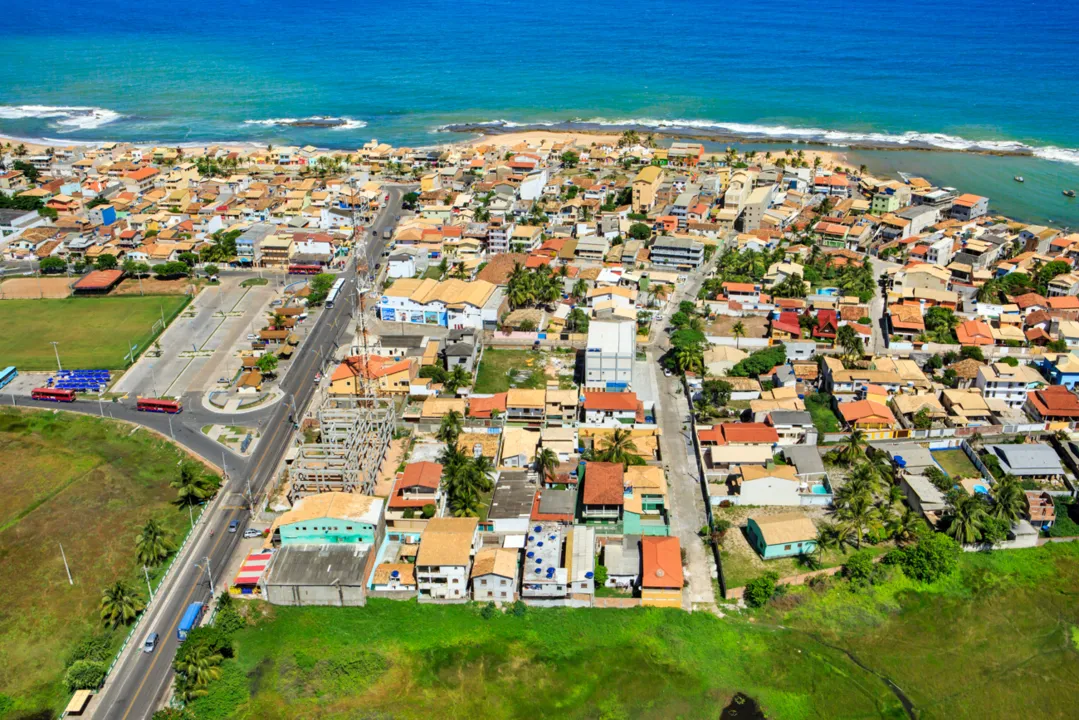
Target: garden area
{"points": [[825, 420], [93, 485], [956, 463], [500, 370]]}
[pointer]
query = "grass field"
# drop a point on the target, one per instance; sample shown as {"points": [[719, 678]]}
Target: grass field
{"points": [[492, 374], [993, 640], [956, 463], [91, 332], [89, 483], [824, 419]]}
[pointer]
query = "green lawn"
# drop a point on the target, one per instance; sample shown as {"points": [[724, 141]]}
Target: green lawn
{"points": [[252, 282], [824, 419], [492, 375], [995, 639], [956, 463], [740, 568], [91, 332], [89, 483]]}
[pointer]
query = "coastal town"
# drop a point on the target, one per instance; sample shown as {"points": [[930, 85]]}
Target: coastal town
{"points": [[546, 370]]}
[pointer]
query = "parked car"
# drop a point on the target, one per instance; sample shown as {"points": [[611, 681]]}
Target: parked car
{"points": [[234, 526], [252, 533], [667, 372], [252, 336], [318, 378], [150, 643]]}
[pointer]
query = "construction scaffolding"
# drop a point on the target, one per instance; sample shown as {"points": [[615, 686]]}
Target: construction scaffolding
{"points": [[354, 436]]}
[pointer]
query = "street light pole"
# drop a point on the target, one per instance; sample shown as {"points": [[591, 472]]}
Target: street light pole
{"points": [[209, 574], [57, 351], [149, 588], [69, 580]]}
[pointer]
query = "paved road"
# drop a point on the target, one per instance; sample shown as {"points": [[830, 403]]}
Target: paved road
{"points": [[140, 681]]}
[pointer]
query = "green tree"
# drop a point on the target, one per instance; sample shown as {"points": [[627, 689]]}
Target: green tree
{"points": [[852, 448], [848, 339], [457, 378], [547, 462], [119, 605], [832, 536], [52, 265], [859, 566], [931, 558], [409, 200], [195, 670], [428, 511], [319, 287], [965, 518], [267, 364], [450, 427], [640, 231], [188, 258], [1009, 500], [153, 543], [105, 261], [193, 486], [211, 270], [436, 372], [940, 322], [85, 675], [134, 268], [570, 159], [739, 332]]}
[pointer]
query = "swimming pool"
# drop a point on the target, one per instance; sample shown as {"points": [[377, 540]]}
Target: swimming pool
{"points": [[828, 291], [819, 490]]}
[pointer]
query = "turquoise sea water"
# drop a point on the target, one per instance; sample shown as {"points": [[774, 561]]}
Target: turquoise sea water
{"points": [[989, 74]]}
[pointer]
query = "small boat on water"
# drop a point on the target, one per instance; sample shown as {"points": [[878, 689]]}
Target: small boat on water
{"points": [[1019, 178], [1069, 193]]}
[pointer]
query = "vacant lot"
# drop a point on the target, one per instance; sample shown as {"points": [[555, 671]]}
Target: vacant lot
{"points": [[824, 418], [152, 286], [90, 484], [91, 332], [995, 639], [956, 464], [756, 327], [528, 368]]}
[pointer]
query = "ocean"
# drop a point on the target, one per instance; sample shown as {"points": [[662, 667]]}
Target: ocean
{"points": [[984, 74]]}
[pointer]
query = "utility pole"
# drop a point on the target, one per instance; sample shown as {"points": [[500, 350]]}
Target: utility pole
{"points": [[57, 351], [68, 569], [148, 587], [209, 574]]}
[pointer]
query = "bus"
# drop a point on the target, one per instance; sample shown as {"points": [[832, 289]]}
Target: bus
{"points": [[53, 395], [334, 292], [304, 269], [190, 620], [158, 405], [7, 375]]}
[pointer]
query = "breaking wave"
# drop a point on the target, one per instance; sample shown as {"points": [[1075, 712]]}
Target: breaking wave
{"points": [[66, 118]]}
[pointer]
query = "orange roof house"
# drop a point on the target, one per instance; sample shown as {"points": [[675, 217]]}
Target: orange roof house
{"points": [[866, 415], [974, 332], [416, 486], [483, 407], [661, 572], [603, 492], [1055, 402], [387, 375]]}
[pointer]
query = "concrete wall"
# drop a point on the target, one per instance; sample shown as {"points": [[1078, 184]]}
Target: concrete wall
{"points": [[316, 595]]}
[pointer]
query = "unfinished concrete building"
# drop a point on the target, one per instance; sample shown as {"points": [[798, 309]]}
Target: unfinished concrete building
{"points": [[354, 435]]}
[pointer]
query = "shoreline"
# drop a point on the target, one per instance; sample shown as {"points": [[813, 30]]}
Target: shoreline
{"points": [[489, 130]]}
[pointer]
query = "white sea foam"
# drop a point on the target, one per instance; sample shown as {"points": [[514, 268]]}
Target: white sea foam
{"points": [[840, 138], [67, 118], [344, 123]]}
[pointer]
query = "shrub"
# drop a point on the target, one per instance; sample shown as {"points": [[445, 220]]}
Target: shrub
{"points": [[601, 575], [94, 647], [429, 511], [85, 675], [760, 361], [859, 566], [760, 590], [488, 611], [518, 608]]}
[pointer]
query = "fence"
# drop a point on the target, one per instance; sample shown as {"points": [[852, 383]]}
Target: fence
{"points": [[615, 602], [696, 447]]}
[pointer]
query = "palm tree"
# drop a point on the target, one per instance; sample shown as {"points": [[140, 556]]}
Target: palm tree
{"points": [[153, 543], [989, 291], [860, 512], [1009, 501], [739, 332], [905, 526], [199, 666], [688, 358], [192, 486], [458, 378], [848, 339], [580, 289], [547, 462], [833, 536], [483, 467], [619, 447], [450, 427], [119, 605], [852, 448], [465, 503], [966, 519]]}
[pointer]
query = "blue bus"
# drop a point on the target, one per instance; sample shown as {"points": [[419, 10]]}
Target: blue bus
{"points": [[7, 375], [190, 620]]}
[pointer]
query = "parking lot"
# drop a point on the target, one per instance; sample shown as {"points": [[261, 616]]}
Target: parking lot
{"points": [[200, 346]]}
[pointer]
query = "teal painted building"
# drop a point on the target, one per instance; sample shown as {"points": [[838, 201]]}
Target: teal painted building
{"points": [[333, 518], [784, 535]]}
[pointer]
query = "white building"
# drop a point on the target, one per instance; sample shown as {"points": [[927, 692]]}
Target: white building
{"points": [[454, 304], [445, 558], [1001, 381], [677, 252], [495, 575], [609, 355]]}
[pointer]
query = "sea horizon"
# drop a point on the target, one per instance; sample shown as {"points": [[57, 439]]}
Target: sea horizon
{"points": [[259, 75]]}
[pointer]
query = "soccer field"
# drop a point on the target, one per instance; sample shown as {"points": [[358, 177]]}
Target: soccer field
{"points": [[91, 332]]}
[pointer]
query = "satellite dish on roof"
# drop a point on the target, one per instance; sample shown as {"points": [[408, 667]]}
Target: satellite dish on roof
{"points": [[659, 572]]}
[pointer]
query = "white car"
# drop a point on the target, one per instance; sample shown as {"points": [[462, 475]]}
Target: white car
{"points": [[667, 372], [252, 336], [252, 533]]}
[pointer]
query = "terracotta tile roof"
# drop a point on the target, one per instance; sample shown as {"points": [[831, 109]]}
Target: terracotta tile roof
{"points": [[1029, 300], [1064, 302], [481, 407], [974, 332], [603, 484], [661, 562], [610, 401], [1055, 401], [860, 410], [749, 433]]}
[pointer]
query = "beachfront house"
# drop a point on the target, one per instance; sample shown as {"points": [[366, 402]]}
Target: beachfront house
{"points": [[783, 535]]}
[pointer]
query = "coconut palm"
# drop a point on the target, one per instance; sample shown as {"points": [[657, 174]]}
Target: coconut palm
{"points": [[580, 289], [905, 526], [153, 543], [193, 486], [457, 378], [847, 338], [852, 449], [465, 503], [119, 604], [450, 427], [688, 358], [199, 666], [483, 467], [547, 462], [618, 447], [739, 332], [834, 536], [859, 511], [1009, 500], [966, 519]]}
